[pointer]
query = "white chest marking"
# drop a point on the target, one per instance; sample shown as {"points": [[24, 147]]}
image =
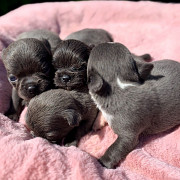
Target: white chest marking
{"points": [[106, 115], [111, 42], [123, 85]]}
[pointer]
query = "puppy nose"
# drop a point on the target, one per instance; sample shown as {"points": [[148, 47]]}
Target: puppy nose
{"points": [[32, 89], [66, 78]]}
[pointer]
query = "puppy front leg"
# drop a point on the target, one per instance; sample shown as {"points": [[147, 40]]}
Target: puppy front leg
{"points": [[16, 106], [85, 127], [75, 135], [118, 150]]}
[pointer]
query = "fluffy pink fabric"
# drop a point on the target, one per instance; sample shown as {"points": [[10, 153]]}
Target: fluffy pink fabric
{"points": [[144, 27]]}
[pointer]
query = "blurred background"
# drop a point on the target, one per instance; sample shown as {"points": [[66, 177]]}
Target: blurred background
{"points": [[8, 5]]}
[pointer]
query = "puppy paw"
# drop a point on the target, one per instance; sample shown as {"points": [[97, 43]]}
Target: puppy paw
{"points": [[74, 143], [32, 133], [107, 162]]}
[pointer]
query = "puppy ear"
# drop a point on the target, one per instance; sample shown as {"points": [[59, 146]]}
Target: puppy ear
{"points": [[95, 82], [46, 44], [73, 117], [144, 69], [146, 57]]}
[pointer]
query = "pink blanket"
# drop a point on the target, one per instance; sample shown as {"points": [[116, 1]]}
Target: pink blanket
{"points": [[144, 27]]}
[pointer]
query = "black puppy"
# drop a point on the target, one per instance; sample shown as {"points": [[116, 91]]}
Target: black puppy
{"points": [[135, 97], [29, 70], [70, 63], [59, 115], [91, 36], [42, 34]]}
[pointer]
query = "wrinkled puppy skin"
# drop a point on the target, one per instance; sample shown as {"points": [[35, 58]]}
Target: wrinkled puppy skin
{"points": [[135, 97], [42, 35], [59, 115], [70, 64], [28, 63]]}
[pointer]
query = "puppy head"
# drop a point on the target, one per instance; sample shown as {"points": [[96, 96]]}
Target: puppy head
{"points": [[70, 63], [53, 114], [41, 34], [109, 61], [28, 65]]}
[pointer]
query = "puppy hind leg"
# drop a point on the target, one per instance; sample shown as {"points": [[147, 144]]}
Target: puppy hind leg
{"points": [[119, 150]]}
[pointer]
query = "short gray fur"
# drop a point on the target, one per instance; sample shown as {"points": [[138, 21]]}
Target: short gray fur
{"points": [[91, 36], [148, 105]]}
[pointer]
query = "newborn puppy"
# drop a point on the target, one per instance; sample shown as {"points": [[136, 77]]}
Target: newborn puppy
{"points": [[91, 36], [135, 97], [70, 64], [59, 115], [42, 34], [29, 70]]}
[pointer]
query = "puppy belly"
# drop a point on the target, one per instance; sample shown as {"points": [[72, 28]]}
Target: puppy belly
{"points": [[100, 122], [106, 116]]}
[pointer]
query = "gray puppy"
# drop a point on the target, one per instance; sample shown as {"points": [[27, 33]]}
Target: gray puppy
{"points": [[59, 115], [29, 69], [42, 34], [135, 97], [91, 36]]}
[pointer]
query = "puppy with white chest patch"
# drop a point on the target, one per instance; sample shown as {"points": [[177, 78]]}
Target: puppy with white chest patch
{"points": [[59, 115], [135, 97], [29, 69]]}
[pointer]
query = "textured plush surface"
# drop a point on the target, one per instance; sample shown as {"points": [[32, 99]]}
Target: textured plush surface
{"points": [[144, 27]]}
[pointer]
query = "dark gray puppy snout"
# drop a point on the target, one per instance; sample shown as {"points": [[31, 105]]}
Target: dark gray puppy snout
{"points": [[66, 78], [32, 89]]}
